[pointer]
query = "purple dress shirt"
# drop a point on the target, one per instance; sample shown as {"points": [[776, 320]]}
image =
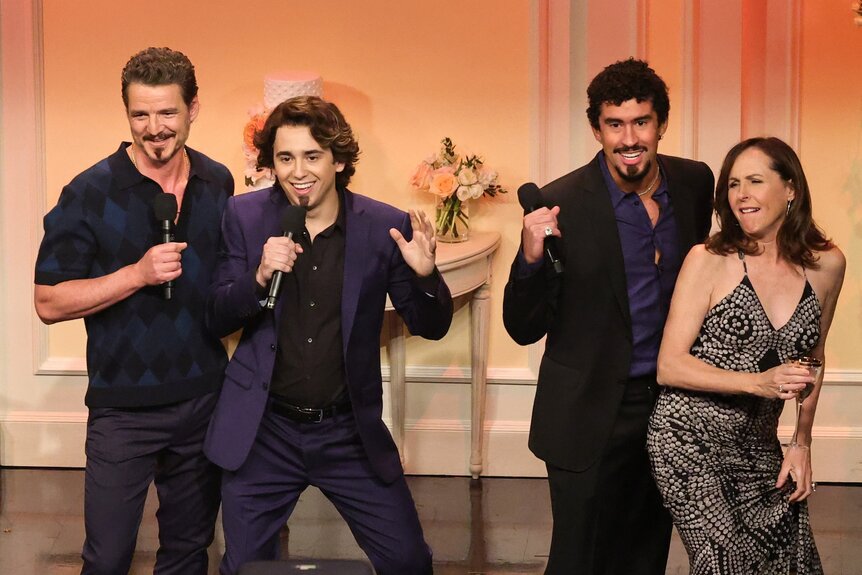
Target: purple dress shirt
{"points": [[649, 284]]}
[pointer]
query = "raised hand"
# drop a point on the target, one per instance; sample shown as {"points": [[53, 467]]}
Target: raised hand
{"points": [[537, 225], [419, 252]]}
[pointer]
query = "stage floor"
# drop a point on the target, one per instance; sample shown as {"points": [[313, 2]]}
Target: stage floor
{"points": [[493, 526]]}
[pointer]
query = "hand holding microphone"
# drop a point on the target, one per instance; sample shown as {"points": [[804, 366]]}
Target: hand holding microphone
{"points": [[539, 237], [161, 264], [279, 253]]}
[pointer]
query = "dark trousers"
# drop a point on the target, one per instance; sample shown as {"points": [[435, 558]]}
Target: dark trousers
{"points": [[609, 519], [127, 449], [287, 457]]}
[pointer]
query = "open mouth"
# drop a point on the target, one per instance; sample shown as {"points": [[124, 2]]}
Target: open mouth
{"points": [[302, 187], [631, 156], [748, 210], [159, 138]]}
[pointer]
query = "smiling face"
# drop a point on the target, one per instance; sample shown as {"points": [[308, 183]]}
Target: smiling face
{"points": [[629, 135], [758, 195], [306, 171], [159, 119]]}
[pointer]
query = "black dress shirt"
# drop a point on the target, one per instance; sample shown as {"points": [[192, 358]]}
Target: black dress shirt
{"points": [[309, 363]]}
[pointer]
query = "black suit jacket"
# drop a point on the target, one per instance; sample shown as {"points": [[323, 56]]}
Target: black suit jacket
{"points": [[585, 312]]}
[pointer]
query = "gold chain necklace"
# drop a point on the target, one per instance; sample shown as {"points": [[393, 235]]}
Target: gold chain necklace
{"points": [[651, 186]]}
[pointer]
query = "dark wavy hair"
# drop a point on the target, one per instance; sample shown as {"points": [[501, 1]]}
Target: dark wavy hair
{"points": [[626, 80], [160, 67], [328, 128], [798, 237]]}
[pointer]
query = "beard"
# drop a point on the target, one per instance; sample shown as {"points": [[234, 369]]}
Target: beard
{"points": [[634, 174], [159, 154]]}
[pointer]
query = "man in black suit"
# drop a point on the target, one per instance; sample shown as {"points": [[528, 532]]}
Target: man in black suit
{"points": [[623, 223]]}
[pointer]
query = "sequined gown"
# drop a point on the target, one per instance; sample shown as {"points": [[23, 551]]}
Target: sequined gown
{"points": [[716, 457]]}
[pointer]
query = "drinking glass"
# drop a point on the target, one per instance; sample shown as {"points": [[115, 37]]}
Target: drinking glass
{"points": [[814, 367]]}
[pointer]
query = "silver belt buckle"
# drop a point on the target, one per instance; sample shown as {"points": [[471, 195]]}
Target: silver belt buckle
{"points": [[319, 414]]}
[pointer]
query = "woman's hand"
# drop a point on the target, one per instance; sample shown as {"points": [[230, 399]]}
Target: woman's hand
{"points": [[783, 381], [797, 466]]}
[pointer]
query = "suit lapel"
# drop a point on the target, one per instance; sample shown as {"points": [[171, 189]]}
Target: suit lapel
{"points": [[597, 202], [271, 226], [682, 200], [356, 244]]}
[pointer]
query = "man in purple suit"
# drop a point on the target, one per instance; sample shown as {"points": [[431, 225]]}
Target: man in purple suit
{"points": [[302, 400]]}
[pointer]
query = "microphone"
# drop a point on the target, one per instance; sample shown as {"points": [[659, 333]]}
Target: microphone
{"points": [[531, 199], [292, 222], [165, 208]]}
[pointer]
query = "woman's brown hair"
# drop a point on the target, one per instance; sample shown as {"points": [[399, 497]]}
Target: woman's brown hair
{"points": [[798, 237]]}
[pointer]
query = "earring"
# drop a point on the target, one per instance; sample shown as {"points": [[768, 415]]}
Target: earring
{"points": [[787, 212]]}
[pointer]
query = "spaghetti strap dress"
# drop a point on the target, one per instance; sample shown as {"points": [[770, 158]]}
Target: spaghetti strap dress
{"points": [[716, 457]]}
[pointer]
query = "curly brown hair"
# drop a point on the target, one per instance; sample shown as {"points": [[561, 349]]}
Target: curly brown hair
{"points": [[328, 128], [623, 81], [798, 237], [160, 67]]}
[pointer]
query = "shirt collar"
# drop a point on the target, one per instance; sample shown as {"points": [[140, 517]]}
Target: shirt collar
{"points": [[280, 197], [127, 174]]}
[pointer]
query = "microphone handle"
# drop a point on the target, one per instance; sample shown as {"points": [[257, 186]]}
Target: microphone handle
{"points": [[275, 284], [167, 237], [551, 256]]}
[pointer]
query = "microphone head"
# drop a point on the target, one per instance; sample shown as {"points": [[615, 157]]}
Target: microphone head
{"points": [[529, 197], [165, 207], [293, 220]]}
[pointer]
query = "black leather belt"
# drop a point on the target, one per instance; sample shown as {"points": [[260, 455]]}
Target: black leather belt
{"points": [[307, 414]]}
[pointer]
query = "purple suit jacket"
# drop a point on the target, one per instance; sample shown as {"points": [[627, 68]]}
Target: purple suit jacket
{"points": [[373, 268]]}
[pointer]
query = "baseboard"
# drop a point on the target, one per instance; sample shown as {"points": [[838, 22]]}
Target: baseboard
{"points": [[432, 447]]}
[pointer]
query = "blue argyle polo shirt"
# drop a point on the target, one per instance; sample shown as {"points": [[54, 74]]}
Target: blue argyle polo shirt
{"points": [[145, 350]]}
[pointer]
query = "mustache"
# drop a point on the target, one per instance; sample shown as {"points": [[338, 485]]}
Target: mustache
{"points": [[160, 136], [623, 149]]}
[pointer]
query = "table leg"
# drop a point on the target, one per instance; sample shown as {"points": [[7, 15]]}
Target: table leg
{"points": [[395, 348], [480, 309]]}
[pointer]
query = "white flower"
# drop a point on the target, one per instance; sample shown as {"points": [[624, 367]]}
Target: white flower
{"points": [[467, 177], [472, 192], [487, 178]]}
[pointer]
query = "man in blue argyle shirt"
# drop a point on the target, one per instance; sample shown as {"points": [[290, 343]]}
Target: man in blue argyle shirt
{"points": [[154, 370]]}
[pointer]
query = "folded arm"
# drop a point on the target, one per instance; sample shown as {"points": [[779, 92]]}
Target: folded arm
{"points": [[691, 302]]}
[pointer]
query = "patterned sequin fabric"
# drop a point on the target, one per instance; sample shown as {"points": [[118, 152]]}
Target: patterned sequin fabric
{"points": [[716, 457]]}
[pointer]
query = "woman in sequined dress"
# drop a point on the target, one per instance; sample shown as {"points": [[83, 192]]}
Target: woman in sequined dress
{"points": [[760, 292]]}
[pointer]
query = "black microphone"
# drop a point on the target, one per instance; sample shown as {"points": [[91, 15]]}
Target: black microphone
{"points": [[292, 222], [165, 208], [531, 199]]}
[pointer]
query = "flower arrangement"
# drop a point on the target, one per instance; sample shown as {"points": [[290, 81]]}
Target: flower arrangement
{"points": [[454, 179], [253, 176]]}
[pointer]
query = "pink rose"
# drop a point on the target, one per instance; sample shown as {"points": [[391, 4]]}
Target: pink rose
{"points": [[421, 178]]}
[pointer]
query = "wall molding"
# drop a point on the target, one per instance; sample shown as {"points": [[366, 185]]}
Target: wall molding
{"points": [[432, 446], [76, 366]]}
